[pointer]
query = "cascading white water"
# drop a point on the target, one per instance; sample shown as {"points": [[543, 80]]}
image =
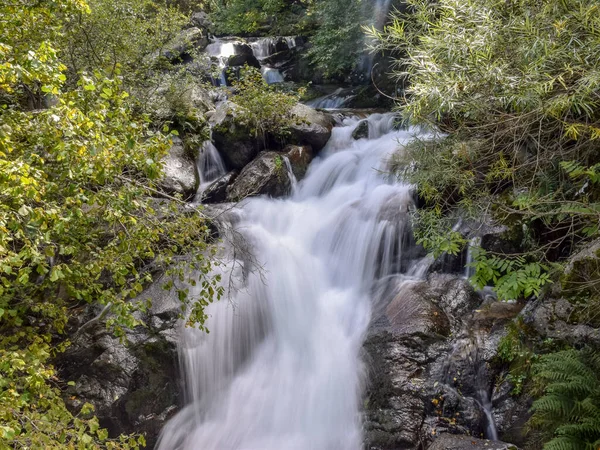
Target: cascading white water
{"points": [[271, 76], [335, 100], [210, 164], [221, 50], [281, 366]]}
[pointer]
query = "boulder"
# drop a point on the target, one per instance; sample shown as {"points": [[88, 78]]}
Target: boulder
{"points": [[412, 312], [243, 59], [201, 20], [180, 175], [180, 48], [216, 192], [556, 319], [361, 131], [455, 442], [311, 127], [133, 385], [233, 139], [266, 175], [299, 157]]}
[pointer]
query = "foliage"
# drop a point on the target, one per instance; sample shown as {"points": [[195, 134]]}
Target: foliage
{"points": [[569, 409], [514, 85], [252, 17], [513, 350], [338, 41], [267, 111], [123, 33], [77, 223]]}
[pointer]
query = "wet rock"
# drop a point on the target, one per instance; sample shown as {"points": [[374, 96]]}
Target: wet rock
{"points": [[299, 157], [412, 312], [233, 139], [243, 59], [179, 172], [361, 131], [134, 385], [555, 318], [311, 127], [455, 296], [266, 175], [511, 413], [216, 192], [180, 48], [455, 442]]}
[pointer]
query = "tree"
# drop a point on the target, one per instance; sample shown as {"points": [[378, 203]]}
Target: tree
{"points": [[77, 223]]}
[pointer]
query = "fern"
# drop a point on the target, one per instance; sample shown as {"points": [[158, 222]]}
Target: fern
{"points": [[569, 409]]}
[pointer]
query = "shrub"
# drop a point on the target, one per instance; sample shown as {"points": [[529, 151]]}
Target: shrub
{"points": [[515, 85]]}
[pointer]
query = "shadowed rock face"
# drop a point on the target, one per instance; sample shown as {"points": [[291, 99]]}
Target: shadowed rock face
{"points": [[429, 351], [266, 175], [134, 386]]}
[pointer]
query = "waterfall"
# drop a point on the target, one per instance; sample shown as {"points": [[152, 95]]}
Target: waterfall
{"points": [[281, 367], [335, 100], [271, 76], [379, 14], [221, 50], [210, 165]]}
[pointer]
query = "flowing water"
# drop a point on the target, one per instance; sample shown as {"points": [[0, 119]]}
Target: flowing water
{"points": [[210, 165], [281, 368]]}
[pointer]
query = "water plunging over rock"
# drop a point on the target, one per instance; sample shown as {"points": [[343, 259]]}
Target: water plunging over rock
{"points": [[281, 368]]}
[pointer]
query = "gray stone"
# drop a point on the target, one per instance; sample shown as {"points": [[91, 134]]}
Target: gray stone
{"points": [[133, 385], [266, 175], [216, 192], [179, 172], [455, 442], [200, 19], [232, 138], [310, 128], [361, 131]]}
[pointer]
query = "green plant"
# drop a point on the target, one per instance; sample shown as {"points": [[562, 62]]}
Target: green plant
{"points": [[78, 224], [513, 87], [267, 111], [568, 412]]}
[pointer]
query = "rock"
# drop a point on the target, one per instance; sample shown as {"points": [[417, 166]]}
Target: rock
{"points": [[233, 139], [552, 318], [361, 131], [454, 295], [412, 312], [180, 48], [243, 59], [201, 20], [455, 442], [299, 157], [312, 127], [179, 172], [511, 413], [133, 386], [266, 175], [216, 192], [582, 269]]}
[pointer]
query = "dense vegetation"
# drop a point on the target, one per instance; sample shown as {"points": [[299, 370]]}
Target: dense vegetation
{"points": [[516, 88], [78, 162], [333, 26], [513, 91]]}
